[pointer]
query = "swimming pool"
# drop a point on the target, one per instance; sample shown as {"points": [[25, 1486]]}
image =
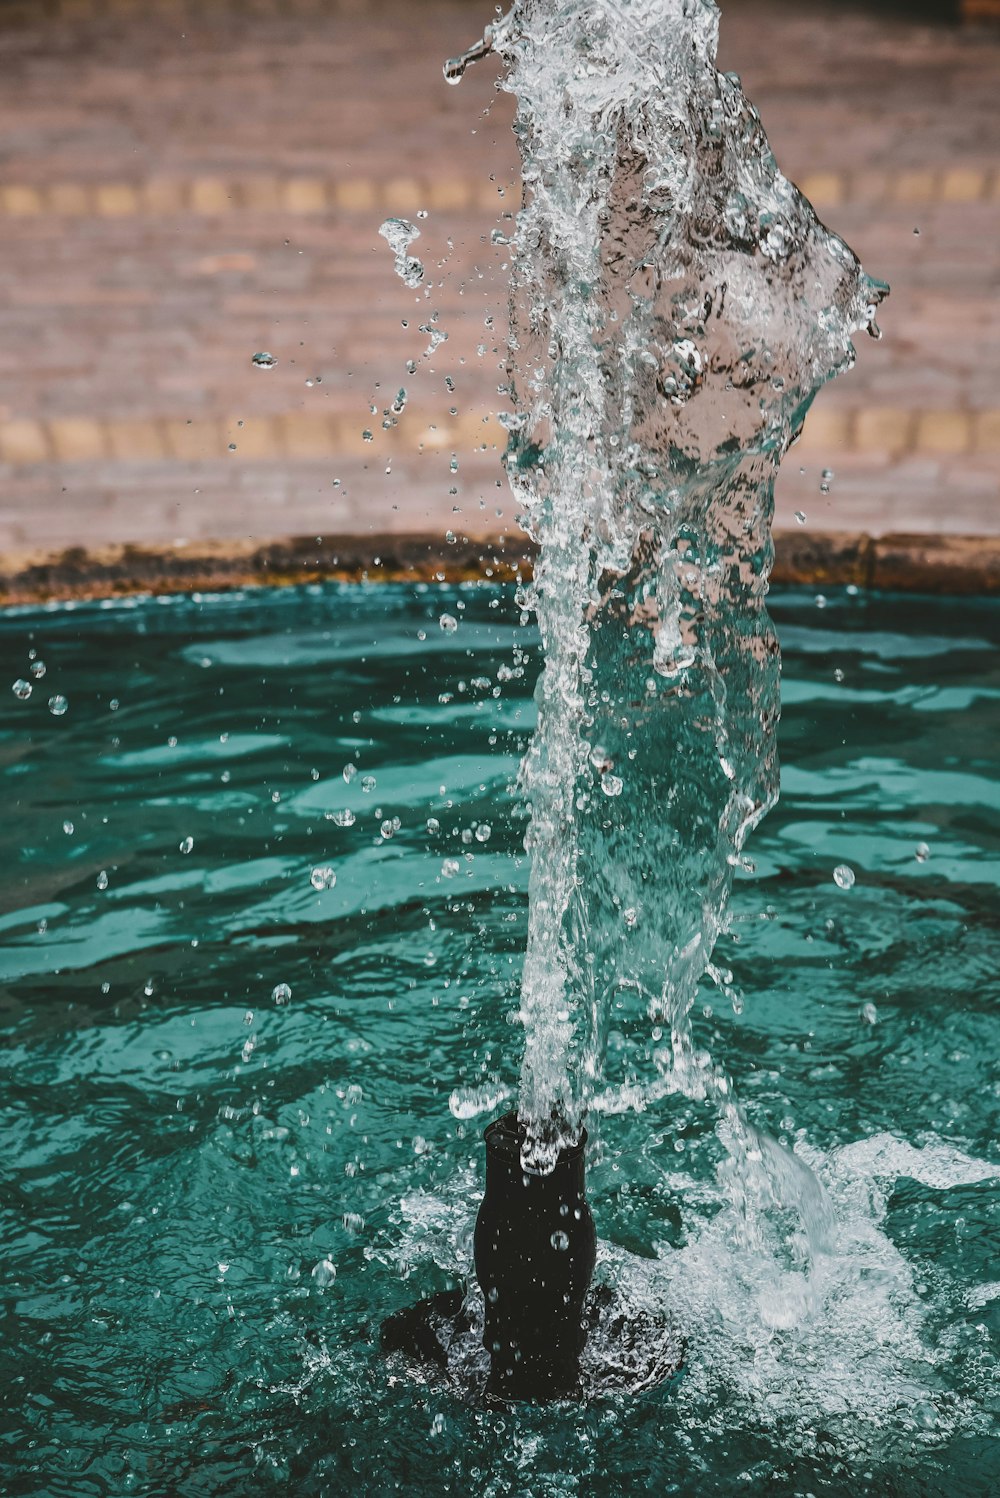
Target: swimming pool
{"points": [[263, 914]]}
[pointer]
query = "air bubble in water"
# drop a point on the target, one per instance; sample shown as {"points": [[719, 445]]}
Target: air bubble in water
{"points": [[58, 705], [281, 993], [844, 876], [612, 785], [448, 623], [323, 878]]}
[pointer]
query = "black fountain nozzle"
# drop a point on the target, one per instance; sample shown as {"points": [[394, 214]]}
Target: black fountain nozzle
{"points": [[535, 1250]]}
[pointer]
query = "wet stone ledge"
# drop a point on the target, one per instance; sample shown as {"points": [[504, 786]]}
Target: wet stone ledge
{"points": [[944, 565]]}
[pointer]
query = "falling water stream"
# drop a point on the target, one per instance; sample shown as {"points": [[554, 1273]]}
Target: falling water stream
{"points": [[675, 307]]}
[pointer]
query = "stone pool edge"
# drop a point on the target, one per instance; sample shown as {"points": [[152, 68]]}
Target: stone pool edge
{"points": [[905, 563]]}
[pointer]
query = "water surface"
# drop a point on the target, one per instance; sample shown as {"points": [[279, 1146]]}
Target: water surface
{"points": [[188, 1148]]}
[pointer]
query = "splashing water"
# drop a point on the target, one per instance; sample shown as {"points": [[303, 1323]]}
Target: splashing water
{"points": [[675, 308], [676, 305]]}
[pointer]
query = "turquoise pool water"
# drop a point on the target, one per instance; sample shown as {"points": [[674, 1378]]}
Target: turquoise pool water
{"points": [[212, 1189]]}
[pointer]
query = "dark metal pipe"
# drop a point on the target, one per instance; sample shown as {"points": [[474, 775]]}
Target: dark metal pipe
{"points": [[535, 1249]]}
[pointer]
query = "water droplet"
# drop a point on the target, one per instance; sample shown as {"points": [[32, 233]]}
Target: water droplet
{"points": [[368, 783], [263, 361], [454, 70], [448, 623], [349, 771], [838, 674], [560, 1241], [102, 879], [389, 827], [398, 233], [37, 669], [469, 1102], [323, 1274], [922, 852], [21, 689], [484, 832], [433, 825], [800, 516], [612, 785], [343, 818], [323, 878], [281, 993], [68, 828], [450, 868], [366, 435], [869, 1014], [438, 1425], [844, 876], [58, 705], [186, 844]]}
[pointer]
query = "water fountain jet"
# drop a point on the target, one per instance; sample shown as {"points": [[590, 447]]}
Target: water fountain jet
{"points": [[676, 305]]}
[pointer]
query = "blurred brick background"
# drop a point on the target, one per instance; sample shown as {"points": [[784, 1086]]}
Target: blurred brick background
{"points": [[185, 184]]}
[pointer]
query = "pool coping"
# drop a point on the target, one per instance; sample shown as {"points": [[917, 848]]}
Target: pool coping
{"points": [[901, 562]]}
